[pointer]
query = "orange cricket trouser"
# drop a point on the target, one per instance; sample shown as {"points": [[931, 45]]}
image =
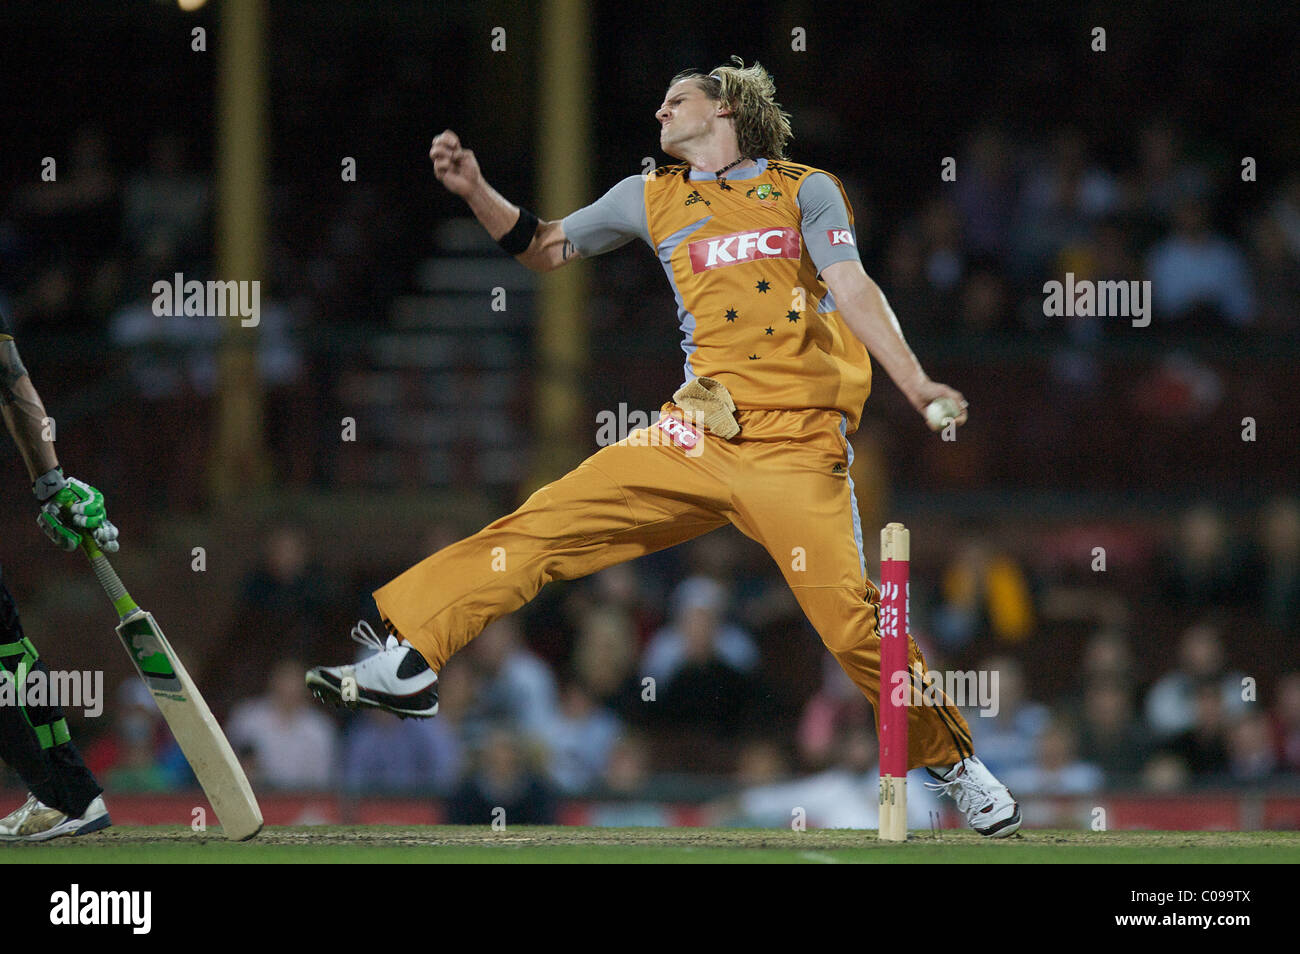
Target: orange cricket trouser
{"points": [[783, 481]]}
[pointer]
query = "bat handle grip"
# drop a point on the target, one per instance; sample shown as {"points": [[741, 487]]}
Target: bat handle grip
{"points": [[108, 577]]}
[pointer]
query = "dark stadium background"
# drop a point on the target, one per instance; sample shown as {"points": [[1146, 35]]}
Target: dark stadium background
{"points": [[1084, 435]]}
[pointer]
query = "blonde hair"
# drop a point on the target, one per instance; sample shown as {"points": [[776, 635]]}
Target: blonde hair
{"points": [[762, 127]]}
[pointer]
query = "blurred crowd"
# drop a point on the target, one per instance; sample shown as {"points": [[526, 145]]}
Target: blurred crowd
{"points": [[1221, 254], [693, 675]]}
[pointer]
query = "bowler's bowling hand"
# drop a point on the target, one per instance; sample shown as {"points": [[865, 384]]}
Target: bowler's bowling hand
{"points": [[938, 404]]}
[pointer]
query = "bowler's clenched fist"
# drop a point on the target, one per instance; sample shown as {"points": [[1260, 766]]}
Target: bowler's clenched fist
{"points": [[455, 167]]}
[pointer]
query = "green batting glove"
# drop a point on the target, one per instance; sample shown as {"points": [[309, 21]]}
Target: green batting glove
{"points": [[71, 507]]}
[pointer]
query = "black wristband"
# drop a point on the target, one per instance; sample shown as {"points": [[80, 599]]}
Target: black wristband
{"points": [[517, 240]]}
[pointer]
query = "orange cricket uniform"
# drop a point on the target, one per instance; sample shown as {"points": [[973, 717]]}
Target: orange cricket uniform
{"points": [[743, 256]]}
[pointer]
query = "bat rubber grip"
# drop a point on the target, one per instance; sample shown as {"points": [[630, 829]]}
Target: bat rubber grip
{"points": [[108, 578]]}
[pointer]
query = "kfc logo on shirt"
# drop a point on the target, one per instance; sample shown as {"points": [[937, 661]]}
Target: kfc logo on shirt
{"points": [[743, 247], [840, 236]]}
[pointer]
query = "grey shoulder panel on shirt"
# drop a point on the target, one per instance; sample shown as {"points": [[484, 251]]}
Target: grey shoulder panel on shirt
{"points": [[824, 212], [611, 221]]}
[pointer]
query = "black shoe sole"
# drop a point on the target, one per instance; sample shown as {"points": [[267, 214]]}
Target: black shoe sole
{"points": [[993, 831], [422, 705], [99, 824]]}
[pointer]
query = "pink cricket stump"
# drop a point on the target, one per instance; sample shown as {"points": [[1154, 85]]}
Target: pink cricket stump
{"points": [[895, 682]]}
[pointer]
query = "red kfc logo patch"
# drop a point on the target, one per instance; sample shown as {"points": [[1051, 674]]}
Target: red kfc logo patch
{"points": [[840, 236], [743, 247]]}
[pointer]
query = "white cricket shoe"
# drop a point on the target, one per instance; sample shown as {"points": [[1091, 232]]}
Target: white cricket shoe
{"points": [[990, 808], [36, 821], [395, 677]]}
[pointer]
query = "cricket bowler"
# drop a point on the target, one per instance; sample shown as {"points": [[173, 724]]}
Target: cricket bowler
{"points": [[64, 798], [779, 323]]}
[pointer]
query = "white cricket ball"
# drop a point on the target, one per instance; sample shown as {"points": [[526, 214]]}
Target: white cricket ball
{"points": [[939, 411]]}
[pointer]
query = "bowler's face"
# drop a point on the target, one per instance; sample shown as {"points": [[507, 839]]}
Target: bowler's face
{"points": [[686, 115]]}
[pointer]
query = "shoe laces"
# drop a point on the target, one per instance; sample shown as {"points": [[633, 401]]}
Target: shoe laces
{"points": [[964, 790], [364, 634]]}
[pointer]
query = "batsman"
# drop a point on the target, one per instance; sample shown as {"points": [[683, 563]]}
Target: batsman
{"points": [[779, 322], [64, 798]]}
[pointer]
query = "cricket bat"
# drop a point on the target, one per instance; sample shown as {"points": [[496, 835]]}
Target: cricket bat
{"points": [[191, 721]]}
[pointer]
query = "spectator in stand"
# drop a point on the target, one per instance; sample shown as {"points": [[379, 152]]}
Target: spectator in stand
{"points": [[1279, 570], [1057, 769], [985, 301], [75, 216], [170, 358], [165, 208], [1104, 256], [761, 761], [1172, 706], [699, 609], [1203, 566], [293, 745], [1285, 211], [138, 769], [985, 191], [706, 700], [1112, 736], [1286, 723], [387, 756], [845, 795], [1063, 195], [1277, 270], [1251, 756], [836, 705], [1166, 773], [624, 791], [580, 740], [984, 592], [288, 594], [1203, 746], [140, 752], [504, 786], [1009, 739], [1199, 277], [920, 303], [1108, 655], [1164, 177], [516, 690], [945, 254], [620, 588], [604, 660]]}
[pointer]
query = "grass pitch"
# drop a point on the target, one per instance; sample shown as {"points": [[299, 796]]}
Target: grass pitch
{"points": [[557, 845]]}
